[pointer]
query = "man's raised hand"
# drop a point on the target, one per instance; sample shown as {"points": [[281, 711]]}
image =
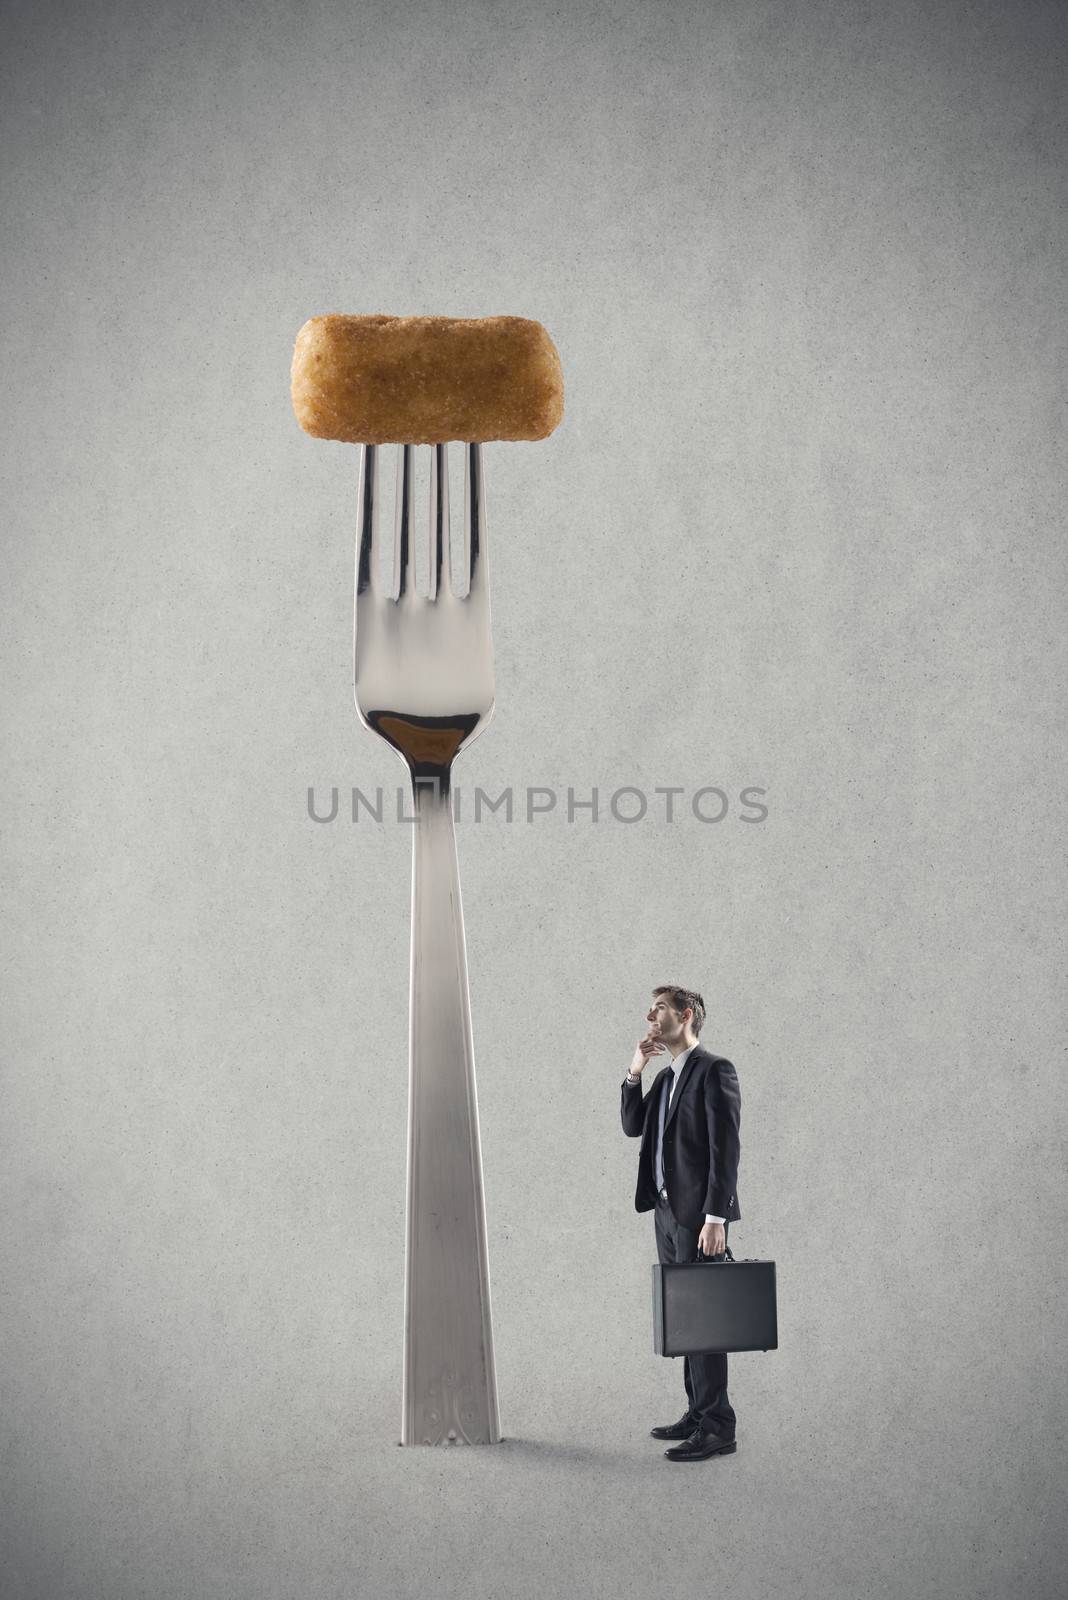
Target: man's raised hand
{"points": [[646, 1048]]}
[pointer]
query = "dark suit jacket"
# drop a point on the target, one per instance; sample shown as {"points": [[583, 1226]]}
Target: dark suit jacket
{"points": [[701, 1139]]}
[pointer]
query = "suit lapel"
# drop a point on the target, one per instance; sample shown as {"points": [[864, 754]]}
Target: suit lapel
{"points": [[653, 1098], [658, 1082], [691, 1060]]}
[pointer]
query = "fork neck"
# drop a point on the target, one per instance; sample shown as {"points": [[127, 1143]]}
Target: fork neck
{"points": [[431, 786]]}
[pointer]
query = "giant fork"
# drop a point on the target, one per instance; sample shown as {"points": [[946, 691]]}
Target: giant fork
{"points": [[423, 677]]}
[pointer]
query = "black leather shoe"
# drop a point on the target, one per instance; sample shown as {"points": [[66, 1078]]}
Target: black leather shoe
{"points": [[699, 1446], [676, 1430]]}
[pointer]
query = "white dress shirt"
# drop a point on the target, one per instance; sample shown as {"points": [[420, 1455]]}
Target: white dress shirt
{"points": [[677, 1064]]}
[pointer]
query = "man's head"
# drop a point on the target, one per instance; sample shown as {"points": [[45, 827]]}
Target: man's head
{"points": [[676, 1016]]}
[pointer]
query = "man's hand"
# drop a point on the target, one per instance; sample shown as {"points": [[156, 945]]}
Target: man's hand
{"points": [[646, 1048], [712, 1240]]}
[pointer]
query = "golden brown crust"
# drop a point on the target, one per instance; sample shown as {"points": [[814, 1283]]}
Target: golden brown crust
{"points": [[425, 380]]}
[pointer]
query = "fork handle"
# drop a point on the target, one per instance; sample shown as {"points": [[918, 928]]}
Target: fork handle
{"points": [[450, 1387]]}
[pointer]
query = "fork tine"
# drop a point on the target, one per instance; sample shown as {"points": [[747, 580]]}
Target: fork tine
{"points": [[475, 528], [367, 561], [440, 573], [404, 544]]}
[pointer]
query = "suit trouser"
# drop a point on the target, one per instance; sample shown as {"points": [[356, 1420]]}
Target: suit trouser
{"points": [[706, 1376]]}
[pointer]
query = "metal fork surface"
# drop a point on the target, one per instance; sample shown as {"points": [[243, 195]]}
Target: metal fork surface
{"points": [[423, 678]]}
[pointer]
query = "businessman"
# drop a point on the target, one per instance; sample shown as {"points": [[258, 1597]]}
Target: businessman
{"points": [[687, 1172]]}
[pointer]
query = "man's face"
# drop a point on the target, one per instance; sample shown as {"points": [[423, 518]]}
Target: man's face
{"points": [[665, 1023]]}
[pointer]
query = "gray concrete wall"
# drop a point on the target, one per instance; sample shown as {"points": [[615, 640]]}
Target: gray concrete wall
{"points": [[801, 530]]}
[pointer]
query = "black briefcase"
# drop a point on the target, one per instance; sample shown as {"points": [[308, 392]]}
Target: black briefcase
{"points": [[713, 1306]]}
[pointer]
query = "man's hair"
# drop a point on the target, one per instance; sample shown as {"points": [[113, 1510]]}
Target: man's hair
{"points": [[680, 999]]}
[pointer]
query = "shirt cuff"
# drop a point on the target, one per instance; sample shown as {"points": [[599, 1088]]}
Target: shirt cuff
{"points": [[715, 1219]]}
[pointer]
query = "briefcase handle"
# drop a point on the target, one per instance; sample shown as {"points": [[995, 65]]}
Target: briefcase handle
{"points": [[712, 1260]]}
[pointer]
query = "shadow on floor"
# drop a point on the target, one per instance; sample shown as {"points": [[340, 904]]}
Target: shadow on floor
{"points": [[539, 1451]]}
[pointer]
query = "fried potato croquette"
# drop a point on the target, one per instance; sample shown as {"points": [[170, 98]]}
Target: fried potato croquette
{"points": [[426, 380]]}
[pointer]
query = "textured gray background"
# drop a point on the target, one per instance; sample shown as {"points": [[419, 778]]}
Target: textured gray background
{"points": [[801, 528]]}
